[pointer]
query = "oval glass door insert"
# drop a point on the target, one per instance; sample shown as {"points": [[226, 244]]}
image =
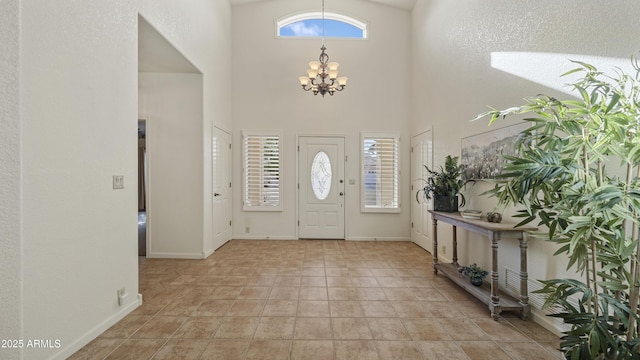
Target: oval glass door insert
{"points": [[321, 175]]}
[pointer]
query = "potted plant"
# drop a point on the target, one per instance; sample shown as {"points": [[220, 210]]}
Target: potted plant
{"points": [[559, 178], [475, 273], [444, 186]]}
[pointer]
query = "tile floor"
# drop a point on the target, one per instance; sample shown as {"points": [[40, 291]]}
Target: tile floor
{"points": [[312, 299]]}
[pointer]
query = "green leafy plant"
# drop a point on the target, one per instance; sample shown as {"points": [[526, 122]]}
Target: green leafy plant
{"points": [[565, 176], [447, 182], [474, 271]]}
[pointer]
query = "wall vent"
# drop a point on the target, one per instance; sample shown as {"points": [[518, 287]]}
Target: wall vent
{"points": [[512, 283]]}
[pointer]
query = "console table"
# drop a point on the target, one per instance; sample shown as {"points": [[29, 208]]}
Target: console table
{"points": [[490, 295]]}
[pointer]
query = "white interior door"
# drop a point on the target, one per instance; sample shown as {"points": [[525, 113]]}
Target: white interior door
{"points": [[221, 167], [321, 187], [421, 154]]}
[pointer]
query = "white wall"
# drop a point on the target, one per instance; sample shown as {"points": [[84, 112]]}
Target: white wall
{"points": [[173, 105], [467, 55], [10, 208], [78, 117], [267, 95]]}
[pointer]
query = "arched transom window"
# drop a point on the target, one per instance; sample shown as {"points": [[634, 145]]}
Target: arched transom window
{"points": [[311, 25]]}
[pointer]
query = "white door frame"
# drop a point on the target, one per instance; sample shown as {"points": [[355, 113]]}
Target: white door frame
{"points": [[341, 163], [147, 197], [421, 223], [225, 194]]}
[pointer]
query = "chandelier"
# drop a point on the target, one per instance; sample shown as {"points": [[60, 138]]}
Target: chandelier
{"points": [[322, 76]]}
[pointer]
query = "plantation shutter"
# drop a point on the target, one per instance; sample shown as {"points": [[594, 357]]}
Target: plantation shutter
{"points": [[381, 173], [261, 171]]}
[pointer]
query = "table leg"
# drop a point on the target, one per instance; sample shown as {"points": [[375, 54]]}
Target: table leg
{"points": [[524, 276], [455, 246], [494, 306], [435, 244]]}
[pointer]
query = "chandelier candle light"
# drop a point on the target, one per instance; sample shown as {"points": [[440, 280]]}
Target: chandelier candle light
{"points": [[322, 76]]}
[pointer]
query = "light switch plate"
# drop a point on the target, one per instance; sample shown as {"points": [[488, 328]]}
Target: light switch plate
{"points": [[118, 181]]}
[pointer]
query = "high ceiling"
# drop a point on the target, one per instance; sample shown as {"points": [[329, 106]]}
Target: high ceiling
{"points": [[400, 4]]}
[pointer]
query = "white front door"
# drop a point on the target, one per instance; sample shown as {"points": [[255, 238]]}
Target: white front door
{"points": [[221, 177], [421, 148], [321, 187]]}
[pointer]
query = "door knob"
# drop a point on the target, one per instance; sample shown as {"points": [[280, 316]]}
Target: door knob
{"points": [[216, 194], [341, 194]]}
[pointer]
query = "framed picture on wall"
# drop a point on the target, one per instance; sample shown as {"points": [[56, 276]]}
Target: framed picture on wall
{"points": [[482, 154]]}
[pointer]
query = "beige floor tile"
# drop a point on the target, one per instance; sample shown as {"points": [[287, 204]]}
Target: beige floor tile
{"points": [[316, 281], [198, 327], [275, 328], [314, 328], [442, 350], [284, 293], [313, 293], [246, 308], [345, 309], [371, 294], [381, 308], [388, 329], [314, 272], [213, 308], [500, 329], [525, 350], [428, 294], [226, 349], [181, 349], [398, 350], [136, 349], [343, 293], [351, 329], [126, 327], [364, 281], [254, 292], [97, 349], [410, 309], [269, 349], [483, 350], [180, 307], [312, 299], [312, 350], [426, 329], [356, 350], [443, 309], [287, 280], [463, 329], [339, 281], [280, 308], [226, 292], [160, 327], [237, 328], [390, 281], [313, 308], [400, 294]]}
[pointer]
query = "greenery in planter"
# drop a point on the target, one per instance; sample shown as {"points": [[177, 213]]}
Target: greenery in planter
{"points": [[444, 183], [475, 273], [559, 177]]}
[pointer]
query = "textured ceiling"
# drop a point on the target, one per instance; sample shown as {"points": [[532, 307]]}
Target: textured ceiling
{"points": [[400, 4]]}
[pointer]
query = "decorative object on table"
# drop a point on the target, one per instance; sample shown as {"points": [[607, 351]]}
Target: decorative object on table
{"points": [[444, 186], [494, 217], [322, 76], [559, 178], [475, 273], [483, 155], [471, 214]]}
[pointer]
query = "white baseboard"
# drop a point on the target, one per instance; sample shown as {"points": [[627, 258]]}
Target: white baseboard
{"points": [[253, 237], [368, 238], [161, 255], [67, 351]]}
